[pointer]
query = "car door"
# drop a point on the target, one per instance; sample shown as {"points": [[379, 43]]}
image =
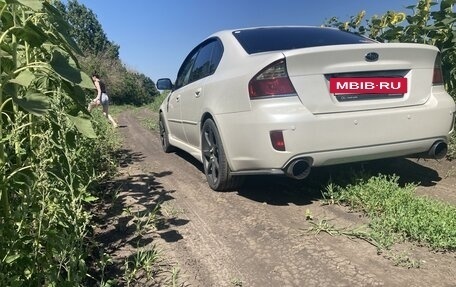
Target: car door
{"points": [[176, 128], [192, 100]]}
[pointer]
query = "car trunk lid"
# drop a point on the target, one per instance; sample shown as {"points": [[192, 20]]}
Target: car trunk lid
{"points": [[311, 71]]}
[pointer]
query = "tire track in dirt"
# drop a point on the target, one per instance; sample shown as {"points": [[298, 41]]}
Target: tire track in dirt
{"points": [[201, 252], [257, 237]]}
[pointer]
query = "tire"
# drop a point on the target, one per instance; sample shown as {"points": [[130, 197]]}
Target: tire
{"points": [[215, 164], [164, 136]]}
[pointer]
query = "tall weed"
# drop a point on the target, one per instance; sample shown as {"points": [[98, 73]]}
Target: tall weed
{"points": [[49, 152]]}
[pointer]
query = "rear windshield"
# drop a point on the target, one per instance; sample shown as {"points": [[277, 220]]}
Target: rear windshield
{"points": [[287, 38]]}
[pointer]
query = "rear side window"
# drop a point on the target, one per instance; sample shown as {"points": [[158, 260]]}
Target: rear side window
{"points": [[287, 38], [200, 63], [207, 61]]}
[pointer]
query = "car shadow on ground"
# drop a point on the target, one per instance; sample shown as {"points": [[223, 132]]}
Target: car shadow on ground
{"points": [[281, 190], [190, 159]]}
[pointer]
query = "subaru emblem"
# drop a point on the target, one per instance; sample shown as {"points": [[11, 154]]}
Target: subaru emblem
{"points": [[371, 57]]}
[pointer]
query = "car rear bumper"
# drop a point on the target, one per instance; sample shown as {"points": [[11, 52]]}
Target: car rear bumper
{"points": [[331, 138]]}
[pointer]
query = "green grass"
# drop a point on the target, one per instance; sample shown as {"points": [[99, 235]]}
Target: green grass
{"points": [[149, 123], [396, 213], [152, 123], [452, 147], [155, 105], [115, 110]]}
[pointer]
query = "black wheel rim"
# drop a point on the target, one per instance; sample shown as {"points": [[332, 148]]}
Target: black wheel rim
{"points": [[211, 156]]}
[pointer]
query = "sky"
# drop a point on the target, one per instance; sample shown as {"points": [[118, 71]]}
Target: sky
{"points": [[156, 35]]}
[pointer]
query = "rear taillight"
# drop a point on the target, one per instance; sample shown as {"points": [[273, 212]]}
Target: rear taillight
{"points": [[272, 81], [437, 78]]}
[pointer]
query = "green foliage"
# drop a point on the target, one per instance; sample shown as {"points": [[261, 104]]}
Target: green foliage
{"points": [[86, 29], [50, 153], [155, 105], [452, 147], [101, 55], [397, 213], [124, 87], [137, 89]]}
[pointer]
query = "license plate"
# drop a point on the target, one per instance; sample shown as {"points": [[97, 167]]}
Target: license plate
{"points": [[368, 86], [356, 97]]}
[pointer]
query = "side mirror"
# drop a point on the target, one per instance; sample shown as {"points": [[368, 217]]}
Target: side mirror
{"points": [[164, 84]]}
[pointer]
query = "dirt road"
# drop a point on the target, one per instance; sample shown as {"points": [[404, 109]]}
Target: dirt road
{"points": [[259, 235]]}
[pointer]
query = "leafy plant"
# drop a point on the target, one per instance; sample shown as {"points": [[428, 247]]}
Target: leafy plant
{"points": [[49, 151], [174, 279], [404, 260], [143, 264], [397, 213]]}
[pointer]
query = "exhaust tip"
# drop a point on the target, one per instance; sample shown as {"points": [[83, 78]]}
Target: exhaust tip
{"points": [[438, 150], [299, 168]]}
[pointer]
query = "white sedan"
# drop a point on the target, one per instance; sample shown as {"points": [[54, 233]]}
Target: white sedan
{"points": [[279, 100]]}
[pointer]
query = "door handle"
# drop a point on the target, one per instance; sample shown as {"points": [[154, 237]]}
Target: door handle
{"points": [[198, 93]]}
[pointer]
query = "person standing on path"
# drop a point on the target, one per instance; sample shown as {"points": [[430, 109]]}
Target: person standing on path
{"points": [[101, 98]]}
